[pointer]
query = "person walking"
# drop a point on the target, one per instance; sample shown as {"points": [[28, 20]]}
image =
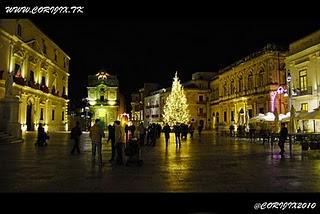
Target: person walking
{"points": [[166, 130], [177, 132], [142, 133], [282, 137], [191, 130], [120, 143], [75, 135], [42, 136], [111, 130], [200, 127], [96, 134]]}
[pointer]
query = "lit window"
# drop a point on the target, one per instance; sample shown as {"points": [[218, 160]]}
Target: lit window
{"points": [[303, 80], [304, 106]]}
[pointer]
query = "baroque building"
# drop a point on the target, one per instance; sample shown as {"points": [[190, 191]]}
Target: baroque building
{"points": [[253, 85], [40, 71], [303, 64], [105, 101]]}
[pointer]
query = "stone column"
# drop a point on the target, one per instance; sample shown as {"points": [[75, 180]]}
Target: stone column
{"points": [[10, 116]]}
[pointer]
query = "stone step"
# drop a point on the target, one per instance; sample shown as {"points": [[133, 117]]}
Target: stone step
{"points": [[8, 139]]}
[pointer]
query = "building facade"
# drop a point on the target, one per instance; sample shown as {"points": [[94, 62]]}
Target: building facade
{"points": [[153, 107], [104, 99], [253, 85], [41, 71], [303, 63]]}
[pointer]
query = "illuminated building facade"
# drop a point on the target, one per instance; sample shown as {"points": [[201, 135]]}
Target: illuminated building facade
{"points": [[41, 72], [104, 99], [303, 63], [136, 106], [153, 107], [249, 87]]}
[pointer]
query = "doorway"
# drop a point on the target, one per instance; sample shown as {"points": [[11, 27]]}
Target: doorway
{"points": [[29, 118]]}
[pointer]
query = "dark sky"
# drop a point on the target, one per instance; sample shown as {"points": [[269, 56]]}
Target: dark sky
{"points": [[151, 50]]}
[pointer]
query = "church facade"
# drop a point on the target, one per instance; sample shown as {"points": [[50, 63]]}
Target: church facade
{"points": [[105, 101]]}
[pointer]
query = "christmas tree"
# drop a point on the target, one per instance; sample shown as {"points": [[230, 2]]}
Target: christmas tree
{"points": [[176, 107]]}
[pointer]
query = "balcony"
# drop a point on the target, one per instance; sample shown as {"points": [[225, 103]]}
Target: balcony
{"points": [[202, 114], [19, 81], [297, 92], [201, 102]]}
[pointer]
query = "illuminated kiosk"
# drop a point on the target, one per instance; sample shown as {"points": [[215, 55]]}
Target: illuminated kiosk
{"points": [[104, 97]]}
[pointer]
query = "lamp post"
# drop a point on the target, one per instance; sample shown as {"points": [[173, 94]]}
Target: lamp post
{"points": [[289, 78], [86, 119]]}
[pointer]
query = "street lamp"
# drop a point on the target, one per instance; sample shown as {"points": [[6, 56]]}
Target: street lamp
{"points": [[86, 119], [289, 78]]}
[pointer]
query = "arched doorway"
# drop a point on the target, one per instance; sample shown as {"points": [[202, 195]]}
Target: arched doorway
{"points": [[29, 118]]}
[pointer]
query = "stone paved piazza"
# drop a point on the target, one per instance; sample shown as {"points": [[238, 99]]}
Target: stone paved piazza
{"points": [[214, 164]]}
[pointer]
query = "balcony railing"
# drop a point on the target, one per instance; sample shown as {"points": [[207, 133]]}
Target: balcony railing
{"points": [[307, 91], [202, 114], [201, 102]]}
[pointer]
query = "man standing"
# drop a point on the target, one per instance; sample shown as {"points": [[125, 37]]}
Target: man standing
{"points": [[120, 143], [96, 135], [111, 130], [283, 137], [75, 135], [166, 130]]}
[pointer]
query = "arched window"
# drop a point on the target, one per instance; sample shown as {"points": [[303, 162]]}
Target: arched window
{"points": [[260, 78], [232, 87], [240, 84], [225, 91], [217, 117], [250, 81], [19, 30]]}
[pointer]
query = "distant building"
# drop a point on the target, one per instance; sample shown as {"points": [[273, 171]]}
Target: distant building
{"points": [[153, 108], [303, 63], [105, 101], [41, 71], [138, 102], [137, 106]]}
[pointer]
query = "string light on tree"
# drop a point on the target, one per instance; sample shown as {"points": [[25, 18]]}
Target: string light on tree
{"points": [[176, 107]]}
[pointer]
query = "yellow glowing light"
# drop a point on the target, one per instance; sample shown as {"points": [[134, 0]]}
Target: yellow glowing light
{"points": [[102, 75], [112, 102], [23, 127]]}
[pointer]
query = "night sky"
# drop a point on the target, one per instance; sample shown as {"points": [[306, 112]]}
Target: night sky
{"points": [[151, 50]]}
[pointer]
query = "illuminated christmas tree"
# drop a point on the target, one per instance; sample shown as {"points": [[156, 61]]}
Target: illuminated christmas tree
{"points": [[176, 107]]}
